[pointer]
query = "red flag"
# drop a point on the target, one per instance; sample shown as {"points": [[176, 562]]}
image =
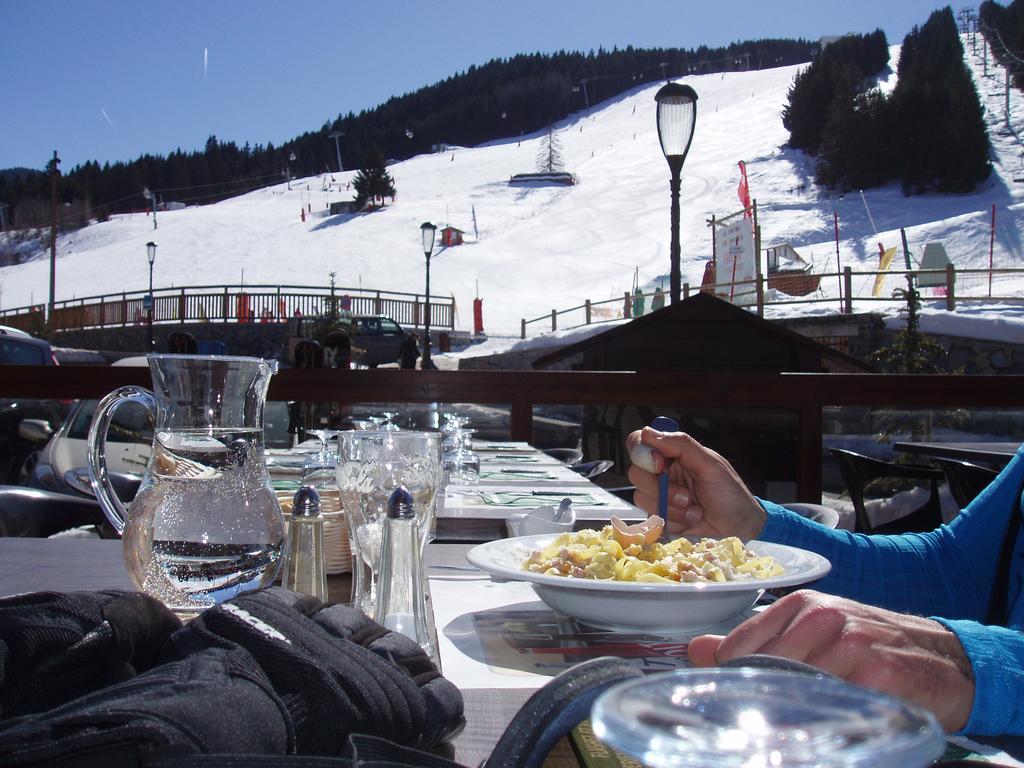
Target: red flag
{"points": [[744, 190]]}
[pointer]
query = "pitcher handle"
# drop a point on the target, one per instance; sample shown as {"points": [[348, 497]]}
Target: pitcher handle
{"points": [[97, 450]]}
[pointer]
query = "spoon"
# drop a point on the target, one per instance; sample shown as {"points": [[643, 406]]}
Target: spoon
{"points": [[664, 424]]}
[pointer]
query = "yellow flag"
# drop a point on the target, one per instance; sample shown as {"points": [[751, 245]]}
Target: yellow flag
{"points": [[884, 260]]}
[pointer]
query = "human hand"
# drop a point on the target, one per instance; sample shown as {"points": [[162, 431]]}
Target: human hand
{"points": [[706, 496], [911, 657]]}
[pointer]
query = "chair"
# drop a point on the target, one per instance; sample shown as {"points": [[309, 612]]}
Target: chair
{"points": [[591, 469], [965, 480], [569, 456], [863, 473], [35, 513]]}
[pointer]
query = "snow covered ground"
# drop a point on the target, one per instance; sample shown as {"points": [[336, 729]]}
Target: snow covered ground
{"points": [[533, 249]]}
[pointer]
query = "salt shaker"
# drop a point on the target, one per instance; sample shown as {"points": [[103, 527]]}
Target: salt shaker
{"points": [[304, 566], [401, 603]]}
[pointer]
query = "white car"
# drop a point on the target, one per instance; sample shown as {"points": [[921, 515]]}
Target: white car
{"points": [[62, 465]]}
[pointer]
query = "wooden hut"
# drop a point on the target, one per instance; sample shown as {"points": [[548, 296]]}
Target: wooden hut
{"points": [[704, 334]]}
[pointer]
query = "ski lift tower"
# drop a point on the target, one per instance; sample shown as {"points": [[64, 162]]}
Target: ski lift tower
{"points": [[337, 147]]}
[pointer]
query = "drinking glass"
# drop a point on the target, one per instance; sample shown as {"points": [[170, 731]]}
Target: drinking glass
{"points": [[370, 466], [461, 463], [755, 718]]}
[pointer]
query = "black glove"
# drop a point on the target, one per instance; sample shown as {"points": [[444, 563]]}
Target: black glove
{"points": [[215, 701], [332, 684], [55, 646]]}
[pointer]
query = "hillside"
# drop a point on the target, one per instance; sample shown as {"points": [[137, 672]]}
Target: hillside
{"points": [[544, 247]]}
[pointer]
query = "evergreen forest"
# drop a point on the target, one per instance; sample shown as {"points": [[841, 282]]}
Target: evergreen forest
{"points": [[929, 133], [1003, 27]]}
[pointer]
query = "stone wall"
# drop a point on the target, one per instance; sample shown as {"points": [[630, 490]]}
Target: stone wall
{"points": [[267, 340], [867, 333]]}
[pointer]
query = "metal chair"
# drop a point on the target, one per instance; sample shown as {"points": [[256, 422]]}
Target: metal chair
{"points": [[859, 471], [965, 480], [569, 456]]}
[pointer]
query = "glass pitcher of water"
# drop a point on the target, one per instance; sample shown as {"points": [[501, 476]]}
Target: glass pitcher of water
{"points": [[205, 524]]}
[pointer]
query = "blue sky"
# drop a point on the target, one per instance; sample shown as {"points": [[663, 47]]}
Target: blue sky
{"points": [[111, 80]]}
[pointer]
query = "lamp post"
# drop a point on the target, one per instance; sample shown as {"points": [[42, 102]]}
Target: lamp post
{"points": [[151, 256], [677, 115], [428, 231], [291, 159]]}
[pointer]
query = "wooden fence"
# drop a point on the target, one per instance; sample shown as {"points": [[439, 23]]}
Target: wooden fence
{"points": [[230, 303], [844, 290], [803, 394]]}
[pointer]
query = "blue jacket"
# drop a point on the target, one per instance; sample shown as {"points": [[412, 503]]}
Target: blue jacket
{"points": [[945, 574]]}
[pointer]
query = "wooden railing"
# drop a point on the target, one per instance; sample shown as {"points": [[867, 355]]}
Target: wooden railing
{"points": [[844, 290], [231, 304], [803, 394]]}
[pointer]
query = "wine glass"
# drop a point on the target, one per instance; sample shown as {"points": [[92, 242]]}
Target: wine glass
{"points": [[371, 465]]}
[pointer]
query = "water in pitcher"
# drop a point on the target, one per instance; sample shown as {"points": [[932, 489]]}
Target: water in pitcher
{"points": [[206, 525]]}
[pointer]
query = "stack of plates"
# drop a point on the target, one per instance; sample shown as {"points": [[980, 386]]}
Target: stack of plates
{"points": [[336, 542]]}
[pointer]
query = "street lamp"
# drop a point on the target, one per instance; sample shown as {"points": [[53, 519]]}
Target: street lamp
{"points": [[677, 115], [428, 231], [151, 256]]}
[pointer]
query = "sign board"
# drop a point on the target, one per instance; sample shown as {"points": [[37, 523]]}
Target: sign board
{"points": [[934, 258], [147, 302], [734, 249]]}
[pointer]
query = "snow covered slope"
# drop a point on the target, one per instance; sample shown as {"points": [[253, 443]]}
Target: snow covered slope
{"points": [[551, 247]]}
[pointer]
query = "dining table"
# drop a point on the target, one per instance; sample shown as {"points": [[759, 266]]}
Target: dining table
{"points": [[998, 454], [518, 477], [84, 564], [496, 641]]}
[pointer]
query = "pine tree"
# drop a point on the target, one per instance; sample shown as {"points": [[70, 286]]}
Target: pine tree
{"points": [[549, 156], [373, 180], [912, 352]]}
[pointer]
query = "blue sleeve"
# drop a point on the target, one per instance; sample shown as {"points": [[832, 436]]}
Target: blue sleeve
{"points": [[945, 573]]}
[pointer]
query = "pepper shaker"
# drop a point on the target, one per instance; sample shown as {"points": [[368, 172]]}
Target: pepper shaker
{"points": [[305, 562], [401, 603]]}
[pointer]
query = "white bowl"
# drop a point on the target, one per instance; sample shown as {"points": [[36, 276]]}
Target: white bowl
{"points": [[663, 608]]}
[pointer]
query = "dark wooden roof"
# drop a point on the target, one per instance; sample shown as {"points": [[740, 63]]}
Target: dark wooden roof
{"points": [[702, 333]]}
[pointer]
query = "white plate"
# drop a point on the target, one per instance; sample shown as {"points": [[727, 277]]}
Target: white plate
{"points": [[658, 608]]}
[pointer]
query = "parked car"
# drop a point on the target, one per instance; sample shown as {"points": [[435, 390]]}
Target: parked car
{"points": [[62, 463], [372, 339], [376, 339], [25, 423], [20, 348]]}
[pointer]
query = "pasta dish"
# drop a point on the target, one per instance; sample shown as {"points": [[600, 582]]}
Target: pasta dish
{"points": [[614, 553]]}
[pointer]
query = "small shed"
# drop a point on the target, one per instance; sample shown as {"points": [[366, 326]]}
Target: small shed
{"points": [[704, 333], [342, 206], [451, 236]]}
